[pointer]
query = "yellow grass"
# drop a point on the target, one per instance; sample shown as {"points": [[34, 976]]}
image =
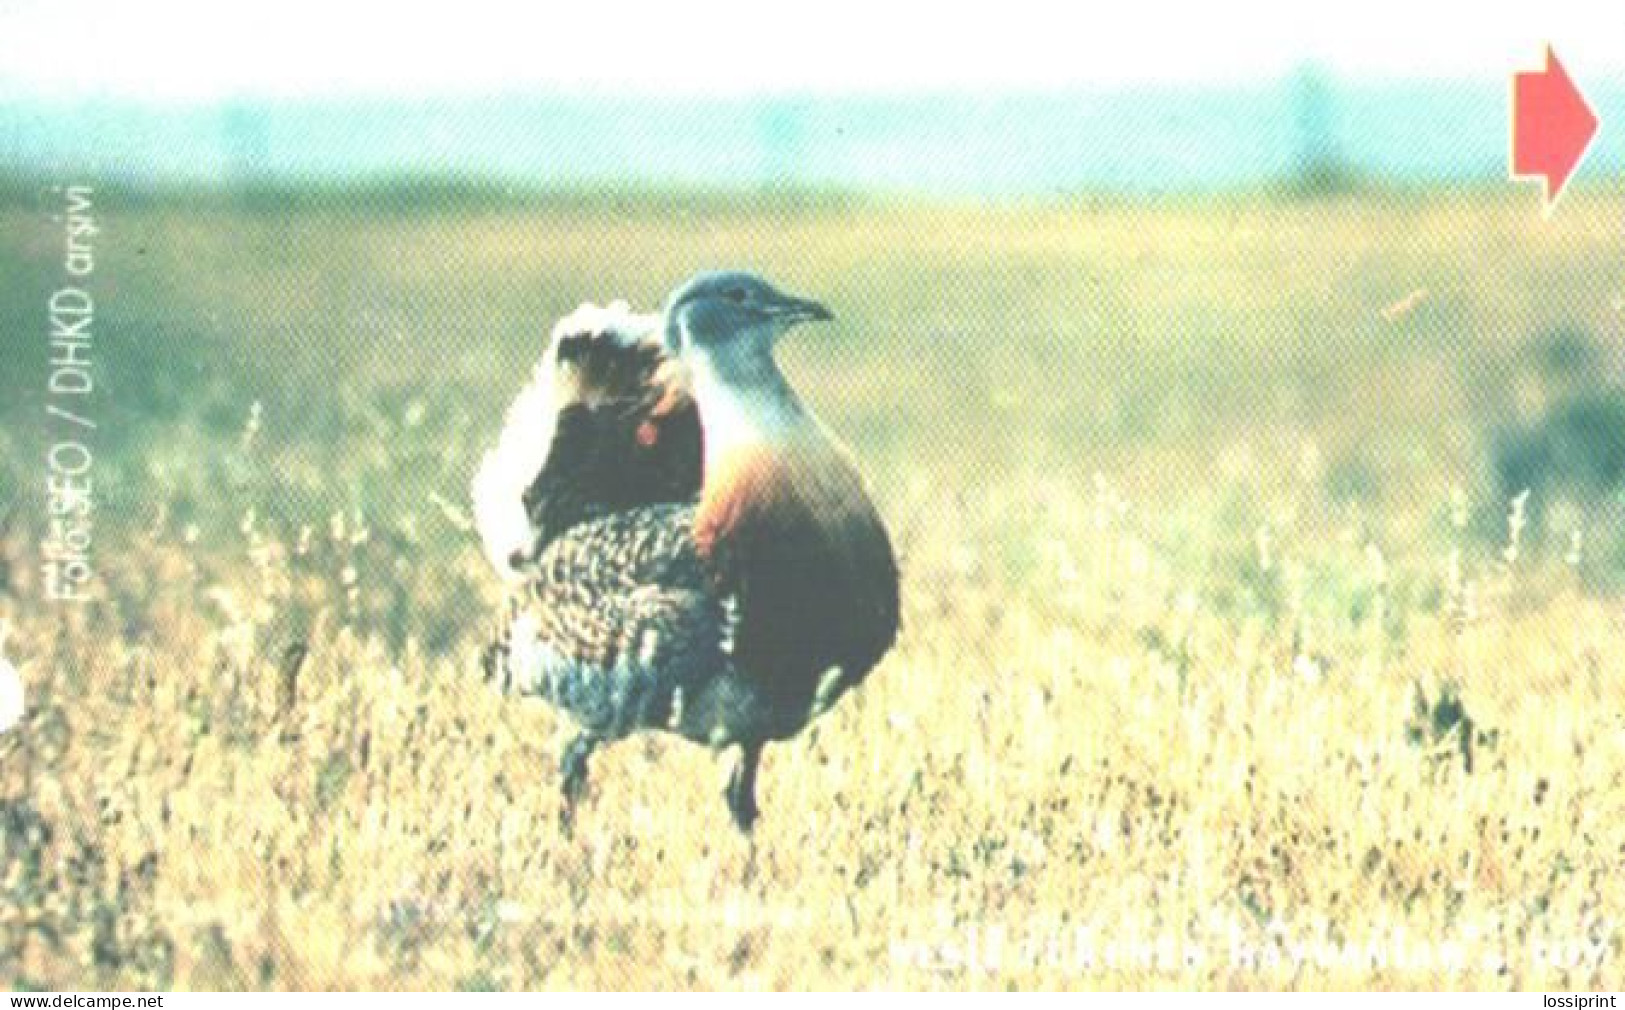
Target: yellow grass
{"points": [[1192, 503]]}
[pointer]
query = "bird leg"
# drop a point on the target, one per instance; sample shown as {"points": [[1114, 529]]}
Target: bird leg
{"points": [[741, 793], [573, 772]]}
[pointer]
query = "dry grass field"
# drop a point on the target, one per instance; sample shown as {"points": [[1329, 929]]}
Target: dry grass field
{"points": [[1226, 661]]}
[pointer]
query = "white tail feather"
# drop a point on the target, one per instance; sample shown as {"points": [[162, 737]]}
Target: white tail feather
{"points": [[521, 451]]}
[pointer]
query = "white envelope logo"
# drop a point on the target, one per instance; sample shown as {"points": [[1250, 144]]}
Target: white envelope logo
{"points": [[11, 695]]}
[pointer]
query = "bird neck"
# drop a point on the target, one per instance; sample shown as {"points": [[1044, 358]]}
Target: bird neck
{"points": [[745, 403]]}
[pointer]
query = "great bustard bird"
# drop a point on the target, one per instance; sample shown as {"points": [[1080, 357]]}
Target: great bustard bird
{"points": [[692, 550]]}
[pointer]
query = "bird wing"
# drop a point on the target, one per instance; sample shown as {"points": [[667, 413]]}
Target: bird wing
{"points": [[617, 622], [605, 425]]}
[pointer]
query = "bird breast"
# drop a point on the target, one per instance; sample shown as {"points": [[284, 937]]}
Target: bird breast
{"points": [[788, 530]]}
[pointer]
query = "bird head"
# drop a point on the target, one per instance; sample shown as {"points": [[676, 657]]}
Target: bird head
{"points": [[731, 313]]}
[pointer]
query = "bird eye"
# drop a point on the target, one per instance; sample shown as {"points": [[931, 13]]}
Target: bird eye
{"points": [[735, 295]]}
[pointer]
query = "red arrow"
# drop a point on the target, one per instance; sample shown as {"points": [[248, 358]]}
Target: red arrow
{"points": [[1552, 127]]}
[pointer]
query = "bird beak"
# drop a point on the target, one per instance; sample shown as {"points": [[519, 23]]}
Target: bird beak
{"points": [[790, 310]]}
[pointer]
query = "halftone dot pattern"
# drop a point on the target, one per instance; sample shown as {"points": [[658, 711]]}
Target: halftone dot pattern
{"points": [[1228, 659]]}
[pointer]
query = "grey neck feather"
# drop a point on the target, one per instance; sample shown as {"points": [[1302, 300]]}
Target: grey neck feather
{"points": [[742, 396]]}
